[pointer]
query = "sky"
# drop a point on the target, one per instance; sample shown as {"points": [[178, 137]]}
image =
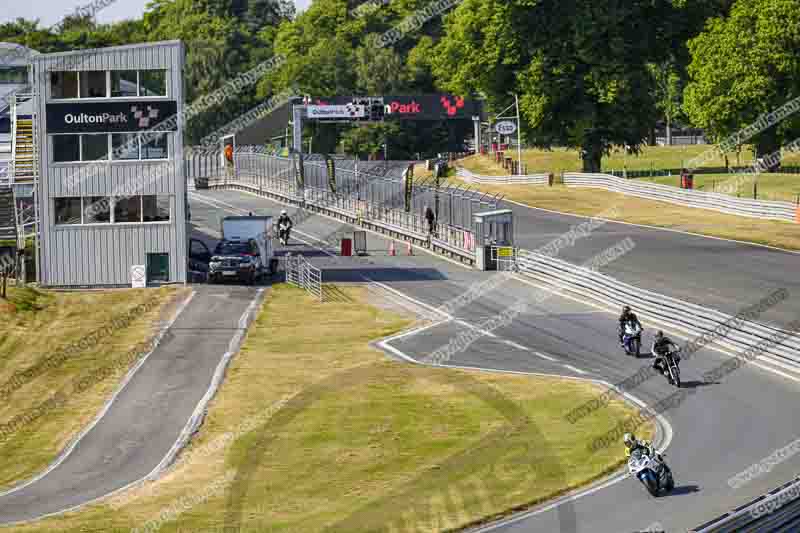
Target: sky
{"points": [[49, 12]]}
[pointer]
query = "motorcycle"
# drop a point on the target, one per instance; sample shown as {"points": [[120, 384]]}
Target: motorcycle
{"points": [[632, 339], [672, 372], [651, 470], [283, 233]]}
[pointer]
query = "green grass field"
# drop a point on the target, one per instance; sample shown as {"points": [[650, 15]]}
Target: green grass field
{"points": [[349, 441]]}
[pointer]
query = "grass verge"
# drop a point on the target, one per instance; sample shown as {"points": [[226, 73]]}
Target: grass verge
{"points": [[654, 158], [314, 430], [61, 356]]}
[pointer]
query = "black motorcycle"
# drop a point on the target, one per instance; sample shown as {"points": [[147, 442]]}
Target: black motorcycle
{"points": [[283, 233], [670, 369]]}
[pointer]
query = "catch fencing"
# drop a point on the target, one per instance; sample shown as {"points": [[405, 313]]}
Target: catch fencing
{"points": [[779, 346], [723, 203], [304, 275], [362, 198]]}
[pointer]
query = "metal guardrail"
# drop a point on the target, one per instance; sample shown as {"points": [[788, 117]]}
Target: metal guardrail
{"points": [[768, 512], [772, 210], [302, 274], [680, 315], [533, 179]]}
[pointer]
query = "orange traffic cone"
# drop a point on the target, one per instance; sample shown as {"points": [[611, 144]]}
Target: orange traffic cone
{"points": [[409, 248], [391, 248]]}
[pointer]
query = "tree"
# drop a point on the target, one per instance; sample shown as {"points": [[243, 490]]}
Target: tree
{"points": [[743, 66], [378, 70], [580, 67], [668, 92]]}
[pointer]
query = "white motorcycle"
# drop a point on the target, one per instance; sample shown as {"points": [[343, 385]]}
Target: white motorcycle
{"points": [[651, 470]]}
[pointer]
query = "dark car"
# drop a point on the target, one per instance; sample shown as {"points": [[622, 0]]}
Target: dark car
{"points": [[235, 260]]}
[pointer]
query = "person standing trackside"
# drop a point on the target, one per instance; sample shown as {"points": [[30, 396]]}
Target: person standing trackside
{"points": [[431, 218]]}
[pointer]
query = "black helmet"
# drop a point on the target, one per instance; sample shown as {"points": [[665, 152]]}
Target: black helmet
{"points": [[626, 309], [659, 334]]}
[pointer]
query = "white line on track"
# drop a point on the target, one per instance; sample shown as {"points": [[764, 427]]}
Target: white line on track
{"points": [[578, 370], [543, 356], [517, 346], [480, 330]]}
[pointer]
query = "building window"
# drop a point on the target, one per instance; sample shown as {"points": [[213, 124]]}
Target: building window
{"points": [[156, 147], [96, 210], [94, 147], [68, 210], [125, 146], [64, 84], [128, 209], [15, 75], [134, 209], [93, 84], [66, 148], [152, 83], [124, 83], [156, 208]]}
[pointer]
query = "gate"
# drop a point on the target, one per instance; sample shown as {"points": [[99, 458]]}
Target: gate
{"points": [[304, 275]]}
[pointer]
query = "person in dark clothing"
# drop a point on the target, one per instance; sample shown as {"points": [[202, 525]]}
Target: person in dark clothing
{"points": [[284, 227], [662, 346], [627, 315], [431, 218]]}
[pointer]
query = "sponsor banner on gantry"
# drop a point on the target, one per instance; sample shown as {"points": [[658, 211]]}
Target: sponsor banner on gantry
{"points": [[418, 107]]}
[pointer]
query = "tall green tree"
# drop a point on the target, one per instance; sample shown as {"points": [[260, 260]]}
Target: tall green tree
{"points": [[668, 93], [579, 67], [743, 66]]}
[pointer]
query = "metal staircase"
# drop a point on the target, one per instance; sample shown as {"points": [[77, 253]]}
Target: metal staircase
{"points": [[24, 148], [24, 173]]}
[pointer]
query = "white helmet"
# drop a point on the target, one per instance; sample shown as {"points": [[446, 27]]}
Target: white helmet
{"points": [[629, 439], [283, 211]]}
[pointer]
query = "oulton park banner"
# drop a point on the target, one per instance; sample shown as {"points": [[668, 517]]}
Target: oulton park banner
{"points": [[111, 117]]}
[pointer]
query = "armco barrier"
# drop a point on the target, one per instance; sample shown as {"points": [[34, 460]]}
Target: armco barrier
{"points": [[768, 512], [745, 207], [533, 179], [395, 223], [686, 317]]}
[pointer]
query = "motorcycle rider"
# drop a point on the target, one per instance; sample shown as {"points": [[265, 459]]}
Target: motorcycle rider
{"points": [[284, 220], [627, 315], [632, 444], [662, 346]]}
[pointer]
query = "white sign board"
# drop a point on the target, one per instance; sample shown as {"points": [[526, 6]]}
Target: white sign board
{"points": [[138, 276], [505, 127], [336, 111]]}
